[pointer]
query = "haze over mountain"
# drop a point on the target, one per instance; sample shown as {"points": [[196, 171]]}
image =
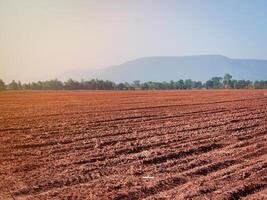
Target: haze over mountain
{"points": [[201, 67], [41, 39]]}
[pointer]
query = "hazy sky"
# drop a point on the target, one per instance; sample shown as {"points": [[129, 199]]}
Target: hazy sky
{"points": [[40, 39]]}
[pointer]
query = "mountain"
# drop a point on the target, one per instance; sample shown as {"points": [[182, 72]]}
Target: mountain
{"points": [[169, 68]]}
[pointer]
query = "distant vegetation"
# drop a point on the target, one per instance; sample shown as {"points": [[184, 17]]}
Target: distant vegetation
{"points": [[225, 82]]}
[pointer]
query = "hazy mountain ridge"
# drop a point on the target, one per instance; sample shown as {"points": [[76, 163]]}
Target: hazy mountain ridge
{"points": [[168, 68]]}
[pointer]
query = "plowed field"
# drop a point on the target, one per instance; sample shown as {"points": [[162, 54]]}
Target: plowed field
{"points": [[133, 145]]}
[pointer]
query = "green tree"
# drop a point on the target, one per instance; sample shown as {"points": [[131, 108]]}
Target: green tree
{"points": [[121, 86], [2, 85], [260, 84], [145, 86], [72, 85], [13, 85], [172, 85], [188, 84], [136, 84], [197, 85], [214, 83], [180, 84], [52, 85], [227, 80]]}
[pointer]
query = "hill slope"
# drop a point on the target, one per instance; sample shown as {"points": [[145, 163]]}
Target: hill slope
{"points": [[173, 68]]}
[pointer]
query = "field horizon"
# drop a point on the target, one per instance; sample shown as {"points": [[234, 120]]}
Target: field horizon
{"points": [[133, 100]]}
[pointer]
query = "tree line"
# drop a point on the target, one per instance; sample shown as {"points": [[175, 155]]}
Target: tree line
{"points": [[225, 82]]}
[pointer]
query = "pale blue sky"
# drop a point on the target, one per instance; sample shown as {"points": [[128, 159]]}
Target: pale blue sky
{"points": [[42, 38]]}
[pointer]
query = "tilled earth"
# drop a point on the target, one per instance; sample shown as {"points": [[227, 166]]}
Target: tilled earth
{"points": [[133, 145]]}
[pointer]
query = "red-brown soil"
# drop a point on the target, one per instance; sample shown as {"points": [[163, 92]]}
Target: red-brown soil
{"points": [[133, 145]]}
